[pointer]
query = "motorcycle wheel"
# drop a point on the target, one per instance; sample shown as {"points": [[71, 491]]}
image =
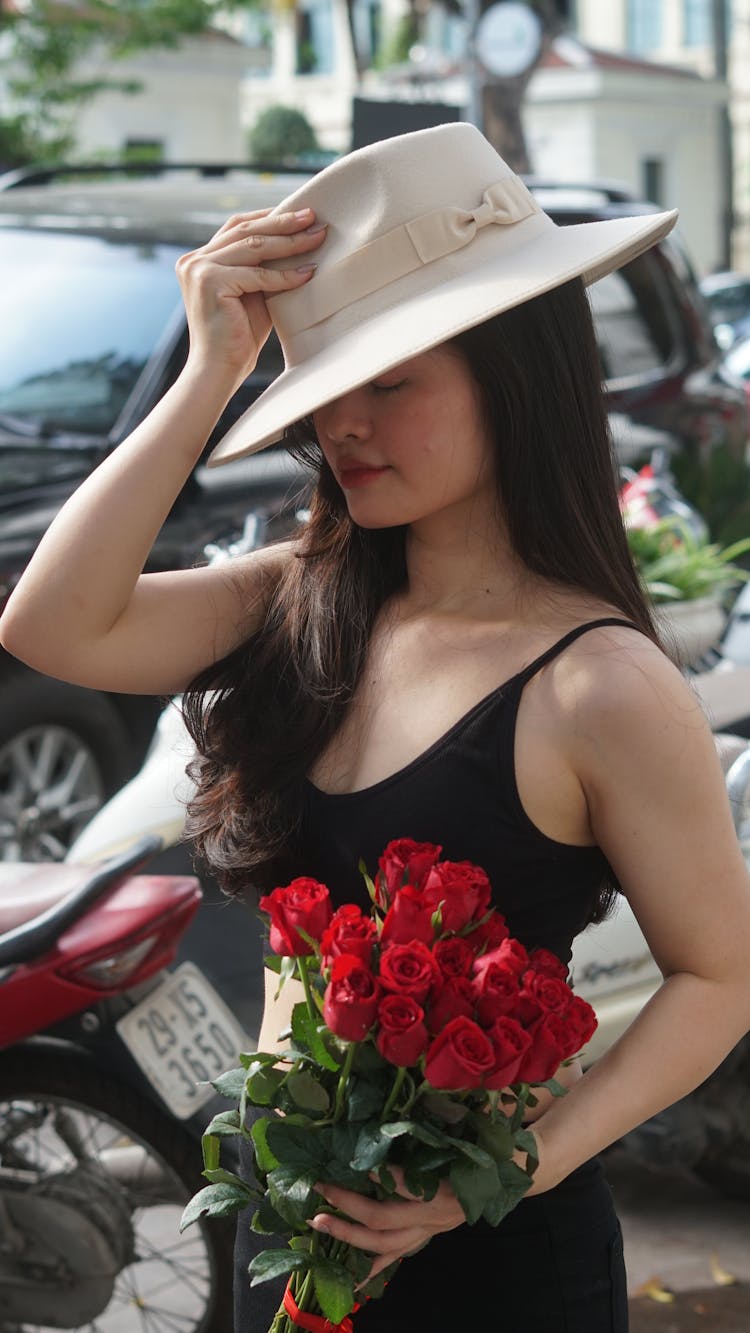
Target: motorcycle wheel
{"points": [[175, 1282]]}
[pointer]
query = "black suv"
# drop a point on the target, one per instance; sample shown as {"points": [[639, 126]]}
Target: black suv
{"points": [[95, 333]]}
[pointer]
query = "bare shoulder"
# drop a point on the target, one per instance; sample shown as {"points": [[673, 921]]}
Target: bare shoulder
{"points": [[616, 691]]}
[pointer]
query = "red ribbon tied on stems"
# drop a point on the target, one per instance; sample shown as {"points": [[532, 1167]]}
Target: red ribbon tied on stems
{"points": [[314, 1323]]}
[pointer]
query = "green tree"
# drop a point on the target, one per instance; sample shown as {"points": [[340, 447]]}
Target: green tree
{"points": [[42, 45], [281, 132]]}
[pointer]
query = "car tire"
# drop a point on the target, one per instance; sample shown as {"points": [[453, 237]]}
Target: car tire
{"points": [[63, 752]]}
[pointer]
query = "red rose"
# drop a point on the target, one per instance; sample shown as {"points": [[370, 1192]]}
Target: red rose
{"points": [[302, 905], [578, 1025], [550, 993], [454, 999], [548, 1041], [408, 919], [510, 1043], [351, 999], [548, 963], [409, 969], [402, 1035], [460, 1057], [349, 932], [405, 861], [496, 993], [510, 953], [454, 957], [489, 933], [460, 889]]}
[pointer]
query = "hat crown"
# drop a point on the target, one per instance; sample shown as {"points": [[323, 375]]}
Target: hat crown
{"points": [[386, 184]]}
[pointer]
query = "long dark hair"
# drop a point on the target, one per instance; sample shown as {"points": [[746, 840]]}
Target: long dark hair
{"points": [[262, 715]]}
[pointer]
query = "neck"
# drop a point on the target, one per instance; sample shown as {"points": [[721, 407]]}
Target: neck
{"points": [[459, 565]]}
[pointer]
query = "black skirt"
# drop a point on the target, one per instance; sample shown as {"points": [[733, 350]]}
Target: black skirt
{"points": [[554, 1265]]}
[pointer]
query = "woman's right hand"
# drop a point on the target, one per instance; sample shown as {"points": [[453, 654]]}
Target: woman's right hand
{"points": [[225, 284]]}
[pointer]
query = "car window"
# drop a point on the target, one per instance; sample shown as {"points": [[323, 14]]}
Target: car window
{"points": [[81, 317], [730, 303], [631, 311]]}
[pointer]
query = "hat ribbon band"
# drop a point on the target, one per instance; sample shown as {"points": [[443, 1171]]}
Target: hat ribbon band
{"points": [[401, 251]]}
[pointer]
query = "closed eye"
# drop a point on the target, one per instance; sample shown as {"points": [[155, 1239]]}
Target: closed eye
{"points": [[386, 388]]}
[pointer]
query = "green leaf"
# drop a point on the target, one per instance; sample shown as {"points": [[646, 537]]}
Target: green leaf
{"points": [[372, 1147], [295, 1145], [368, 1061], [287, 972], [308, 1094], [224, 1124], [368, 881], [475, 1186], [334, 1288], [263, 1082], [425, 1133], [554, 1087], [267, 1221], [311, 1036], [496, 1137], [512, 1185], [216, 1201], [230, 1084], [248, 1058], [443, 1107], [364, 1099], [211, 1150], [527, 1143], [273, 962], [376, 1286], [292, 1193], [473, 1152], [269, 1264], [265, 1158], [220, 1176], [393, 1129]]}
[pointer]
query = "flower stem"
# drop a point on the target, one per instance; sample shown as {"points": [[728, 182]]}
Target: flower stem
{"points": [[305, 979], [393, 1094], [346, 1070]]}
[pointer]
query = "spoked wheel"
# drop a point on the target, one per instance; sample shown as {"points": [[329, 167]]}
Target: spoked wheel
{"points": [[93, 1180]]}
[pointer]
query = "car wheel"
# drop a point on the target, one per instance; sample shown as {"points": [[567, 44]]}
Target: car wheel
{"points": [[63, 752]]}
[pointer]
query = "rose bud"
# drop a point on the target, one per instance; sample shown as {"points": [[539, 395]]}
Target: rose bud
{"points": [[460, 1057], [510, 1043], [454, 957], [548, 964], [409, 969], [402, 1036], [349, 932], [550, 993], [496, 993], [546, 1055], [489, 933], [460, 889], [578, 1025], [408, 919], [454, 999], [351, 998], [302, 905], [405, 862]]}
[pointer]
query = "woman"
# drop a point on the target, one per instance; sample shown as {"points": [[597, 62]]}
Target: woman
{"points": [[456, 650]]}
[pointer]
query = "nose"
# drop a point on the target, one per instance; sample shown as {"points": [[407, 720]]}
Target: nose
{"points": [[346, 418]]}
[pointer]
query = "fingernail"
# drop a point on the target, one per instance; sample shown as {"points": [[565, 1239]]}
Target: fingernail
{"points": [[320, 1225], [303, 213], [314, 231], [307, 268]]}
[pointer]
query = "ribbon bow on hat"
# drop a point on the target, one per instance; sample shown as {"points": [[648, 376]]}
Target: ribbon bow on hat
{"points": [[399, 252]]}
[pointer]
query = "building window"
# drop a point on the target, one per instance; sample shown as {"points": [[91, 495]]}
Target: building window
{"points": [[697, 21], [368, 24], [315, 37], [652, 177], [644, 25]]}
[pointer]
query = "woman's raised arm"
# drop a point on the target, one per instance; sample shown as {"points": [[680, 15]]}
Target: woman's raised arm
{"points": [[83, 610]]}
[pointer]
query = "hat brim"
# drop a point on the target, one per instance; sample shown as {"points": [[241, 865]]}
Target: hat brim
{"points": [[589, 250]]}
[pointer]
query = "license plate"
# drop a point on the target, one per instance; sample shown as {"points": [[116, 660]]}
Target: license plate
{"points": [[182, 1035]]}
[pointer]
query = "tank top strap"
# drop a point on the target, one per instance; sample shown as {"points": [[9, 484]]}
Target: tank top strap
{"points": [[550, 653]]}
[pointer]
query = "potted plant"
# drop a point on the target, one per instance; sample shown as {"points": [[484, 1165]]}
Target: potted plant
{"points": [[687, 580]]}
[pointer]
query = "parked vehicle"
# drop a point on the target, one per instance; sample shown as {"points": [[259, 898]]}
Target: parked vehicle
{"points": [[104, 1068], [728, 298], [92, 335]]}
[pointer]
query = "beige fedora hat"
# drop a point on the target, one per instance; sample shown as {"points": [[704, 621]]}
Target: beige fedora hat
{"points": [[428, 234]]}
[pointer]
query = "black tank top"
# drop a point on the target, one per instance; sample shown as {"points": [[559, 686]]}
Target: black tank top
{"points": [[462, 794]]}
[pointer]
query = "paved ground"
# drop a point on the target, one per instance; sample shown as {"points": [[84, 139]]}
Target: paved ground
{"points": [[680, 1236]]}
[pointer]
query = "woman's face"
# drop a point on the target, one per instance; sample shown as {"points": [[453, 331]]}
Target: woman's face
{"points": [[410, 444]]}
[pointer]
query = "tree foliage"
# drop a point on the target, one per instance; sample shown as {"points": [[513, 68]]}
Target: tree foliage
{"points": [[43, 45]]}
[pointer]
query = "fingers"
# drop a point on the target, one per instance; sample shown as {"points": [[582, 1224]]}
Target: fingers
{"points": [[264, 231]]}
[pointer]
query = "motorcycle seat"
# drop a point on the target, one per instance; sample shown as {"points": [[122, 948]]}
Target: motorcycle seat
{"points": [[28, 889]]}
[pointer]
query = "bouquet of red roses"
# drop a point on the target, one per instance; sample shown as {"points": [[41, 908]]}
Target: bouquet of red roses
{"points": [[423, 1029]]}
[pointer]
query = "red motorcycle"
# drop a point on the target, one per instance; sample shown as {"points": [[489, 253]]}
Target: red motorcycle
{"points": [[105, 1068]]}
